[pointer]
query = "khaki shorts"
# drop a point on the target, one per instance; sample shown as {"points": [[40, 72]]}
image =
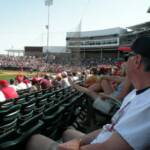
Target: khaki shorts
{"points": [[103, 105]]}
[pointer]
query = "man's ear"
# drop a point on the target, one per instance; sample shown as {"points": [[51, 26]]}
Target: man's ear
{"points": [[138, 60]]}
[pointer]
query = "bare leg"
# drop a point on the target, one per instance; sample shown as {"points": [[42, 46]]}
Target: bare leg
{"points": [[40, 142], [85, 138], [71, 134]]}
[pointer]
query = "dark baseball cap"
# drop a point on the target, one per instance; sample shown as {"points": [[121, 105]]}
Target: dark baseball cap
{"points": [[142, 46]]}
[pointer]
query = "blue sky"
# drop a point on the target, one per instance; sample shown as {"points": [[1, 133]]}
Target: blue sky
{"points": [[22, 22]]}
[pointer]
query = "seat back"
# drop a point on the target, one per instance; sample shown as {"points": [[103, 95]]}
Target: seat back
{"points": [[40, 101], [8, 126], [20, 100], [26, 125], [28, 106], [10, 113], [6, 104], [9, 118]]}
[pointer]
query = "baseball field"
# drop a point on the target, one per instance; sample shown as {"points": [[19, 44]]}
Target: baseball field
{"points": [[7, 74]]}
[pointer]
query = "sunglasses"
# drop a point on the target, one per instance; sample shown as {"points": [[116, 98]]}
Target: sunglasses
{"points": [[127, 56]]}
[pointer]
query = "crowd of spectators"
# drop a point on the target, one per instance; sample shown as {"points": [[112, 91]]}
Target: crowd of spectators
{"points": [[58, 77], [22, 62], [31, 63]]}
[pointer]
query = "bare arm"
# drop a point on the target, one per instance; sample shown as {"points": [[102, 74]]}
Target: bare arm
{"points": [[125, 89], [88, 138], [87, 91], [113, 78], [96, 87]]}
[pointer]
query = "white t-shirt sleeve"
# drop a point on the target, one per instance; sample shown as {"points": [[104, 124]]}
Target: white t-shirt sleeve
{"points": [[2, 97], [134, 126]]}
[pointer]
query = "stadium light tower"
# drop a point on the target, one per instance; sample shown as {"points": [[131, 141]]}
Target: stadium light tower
{"points": [[48, 3]]}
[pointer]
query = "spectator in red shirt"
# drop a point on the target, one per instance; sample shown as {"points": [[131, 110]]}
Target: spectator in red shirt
{"points": [[45, 83], [8, 92]]}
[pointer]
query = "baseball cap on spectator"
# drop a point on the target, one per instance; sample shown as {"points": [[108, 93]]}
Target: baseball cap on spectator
{"points": [[142, 46], [34, 81], [4, 83]]}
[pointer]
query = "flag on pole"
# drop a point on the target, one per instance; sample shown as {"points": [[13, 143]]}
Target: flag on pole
{"points": [[48, 2]]}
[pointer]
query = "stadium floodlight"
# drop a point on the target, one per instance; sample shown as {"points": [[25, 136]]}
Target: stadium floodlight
{"points": [[148, 11], [48, 3]]}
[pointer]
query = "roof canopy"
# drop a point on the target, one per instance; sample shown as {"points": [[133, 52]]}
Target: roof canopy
{"points": [[124, 49]]}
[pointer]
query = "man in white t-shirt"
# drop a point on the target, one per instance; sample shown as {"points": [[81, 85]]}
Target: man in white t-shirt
{"points": [[64, 82], [130, 126], [21, 86]]}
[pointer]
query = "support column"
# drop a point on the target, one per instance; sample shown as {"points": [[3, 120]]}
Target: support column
{"points": [[101, 53]]}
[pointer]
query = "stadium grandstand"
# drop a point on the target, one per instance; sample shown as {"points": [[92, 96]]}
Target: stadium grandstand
{"points": [[105, 43], [80, 86], [95, 43], [135, 31], [15, 52]]}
